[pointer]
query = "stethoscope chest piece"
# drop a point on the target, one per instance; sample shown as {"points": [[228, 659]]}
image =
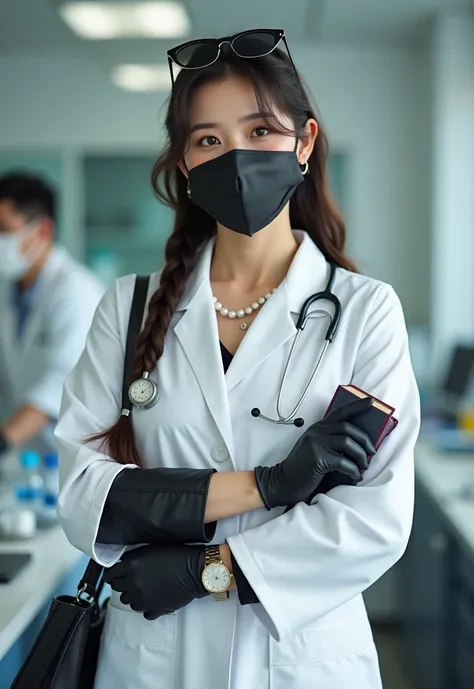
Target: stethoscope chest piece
{"points": [[143, 392], [298, 422]]}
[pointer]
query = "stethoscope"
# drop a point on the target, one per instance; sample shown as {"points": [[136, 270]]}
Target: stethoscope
{"points": [[303, 318], [143, 392]]}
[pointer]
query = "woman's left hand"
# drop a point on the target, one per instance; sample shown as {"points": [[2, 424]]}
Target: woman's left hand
{"points": [[158, 580]]}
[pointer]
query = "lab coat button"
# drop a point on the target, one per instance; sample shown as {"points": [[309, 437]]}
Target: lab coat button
{"points": [[220, 453]]}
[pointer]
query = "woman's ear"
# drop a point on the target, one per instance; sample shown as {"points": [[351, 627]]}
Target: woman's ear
{"points": [[183, 169], [307, 140]]}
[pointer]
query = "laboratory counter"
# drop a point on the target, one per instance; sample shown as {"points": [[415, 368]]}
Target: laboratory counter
{"points": [[449, 480], [55, 568], [26, 596]]}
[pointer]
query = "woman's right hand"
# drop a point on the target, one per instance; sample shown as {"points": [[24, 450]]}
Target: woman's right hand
{"points": [[332, 444]]}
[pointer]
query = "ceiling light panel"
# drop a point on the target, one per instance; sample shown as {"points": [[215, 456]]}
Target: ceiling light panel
{"points": [[109, 20], [142, 78]]}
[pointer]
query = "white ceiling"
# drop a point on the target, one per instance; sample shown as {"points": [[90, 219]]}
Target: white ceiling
{"points": [[33, 26]]}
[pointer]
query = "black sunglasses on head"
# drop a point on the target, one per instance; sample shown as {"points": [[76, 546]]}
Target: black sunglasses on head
{"points": [[247, 44]]}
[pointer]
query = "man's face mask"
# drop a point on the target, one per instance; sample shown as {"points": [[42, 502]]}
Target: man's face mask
{"points": [[245, 190], [14, 264]]}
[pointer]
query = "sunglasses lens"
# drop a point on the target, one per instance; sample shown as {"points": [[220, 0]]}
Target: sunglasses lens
{"points": [[255, 44], [197, 55]]}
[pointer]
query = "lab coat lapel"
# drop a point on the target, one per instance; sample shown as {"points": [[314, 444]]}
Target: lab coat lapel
{"points": [[8, 347], [198, 335], [272, 327], [33, 326], [36, 322], [275, 324]]}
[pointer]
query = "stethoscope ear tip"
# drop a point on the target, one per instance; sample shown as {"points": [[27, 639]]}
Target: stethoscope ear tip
{"points": [[255, 412], [299, 422]]}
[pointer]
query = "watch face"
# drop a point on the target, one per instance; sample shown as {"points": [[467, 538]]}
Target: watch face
{"points": [[216, 578], [142, 391]]}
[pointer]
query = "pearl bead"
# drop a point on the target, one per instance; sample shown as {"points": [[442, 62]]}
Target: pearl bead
{"points": [[240, 313]]}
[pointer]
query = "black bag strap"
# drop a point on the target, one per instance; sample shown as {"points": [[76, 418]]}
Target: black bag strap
{"points": [[89, 583], [90, 579], [134, 326]]}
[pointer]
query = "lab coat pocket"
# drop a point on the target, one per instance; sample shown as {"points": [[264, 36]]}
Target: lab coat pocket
{"points": [[340, 656], [136, 653]]}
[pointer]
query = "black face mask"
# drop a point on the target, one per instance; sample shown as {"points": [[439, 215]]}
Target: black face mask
{"points": [[245, 190]]}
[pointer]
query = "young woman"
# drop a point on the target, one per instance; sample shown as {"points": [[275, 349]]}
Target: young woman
{"points": [[226, 570]]}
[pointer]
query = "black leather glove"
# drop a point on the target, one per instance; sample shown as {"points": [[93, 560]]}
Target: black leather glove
{"points": [[157, 506], [158, 580], [332, 444]]}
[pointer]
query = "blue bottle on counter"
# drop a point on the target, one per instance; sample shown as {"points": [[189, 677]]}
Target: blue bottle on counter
{"points": [[48, 514], [29, 483], [21, 518]]}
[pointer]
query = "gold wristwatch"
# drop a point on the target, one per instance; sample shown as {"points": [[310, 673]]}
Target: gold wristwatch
{"points": [[216, 577]]}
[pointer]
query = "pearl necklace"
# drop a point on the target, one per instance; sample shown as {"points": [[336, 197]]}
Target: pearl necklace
{"points": [[241, 313]]}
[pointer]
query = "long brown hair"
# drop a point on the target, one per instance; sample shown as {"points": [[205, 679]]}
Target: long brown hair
{"points": [[278, 89]]}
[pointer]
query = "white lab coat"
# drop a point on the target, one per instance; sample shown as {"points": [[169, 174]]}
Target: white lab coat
{"points": [[308, 567], [33, 367]]}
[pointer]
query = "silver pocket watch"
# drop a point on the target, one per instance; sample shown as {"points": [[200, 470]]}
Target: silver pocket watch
{"points": [[143, 392]]}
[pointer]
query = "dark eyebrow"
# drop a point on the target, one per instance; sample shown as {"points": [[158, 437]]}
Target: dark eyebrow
{"points": [[255, 116], [203, 125], [213, 125]]}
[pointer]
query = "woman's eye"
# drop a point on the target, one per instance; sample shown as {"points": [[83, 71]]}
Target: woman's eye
{"points": [[260, 131], [209, 141]]}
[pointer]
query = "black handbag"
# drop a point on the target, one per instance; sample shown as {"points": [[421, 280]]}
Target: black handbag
{"points": [[65, 653]]}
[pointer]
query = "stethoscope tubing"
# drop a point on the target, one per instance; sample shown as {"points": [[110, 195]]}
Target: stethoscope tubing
{"points": [[329, 337]]}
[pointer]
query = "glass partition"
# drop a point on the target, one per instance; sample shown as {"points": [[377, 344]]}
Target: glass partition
{"points": [[126, 227]]}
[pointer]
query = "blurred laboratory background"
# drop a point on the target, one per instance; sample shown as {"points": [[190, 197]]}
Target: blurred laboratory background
{"points": [[83, 87]]}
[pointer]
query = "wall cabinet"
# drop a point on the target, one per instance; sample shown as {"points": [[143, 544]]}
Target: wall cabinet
{"points": [[437, 601], [461, 640]]}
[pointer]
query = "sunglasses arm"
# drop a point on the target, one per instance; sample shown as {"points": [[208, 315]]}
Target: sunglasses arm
{"points": [[170, 65], [289, 53]]}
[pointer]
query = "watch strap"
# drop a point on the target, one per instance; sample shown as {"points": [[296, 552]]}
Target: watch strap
{"points": [[213, 555], [220, 596]]}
